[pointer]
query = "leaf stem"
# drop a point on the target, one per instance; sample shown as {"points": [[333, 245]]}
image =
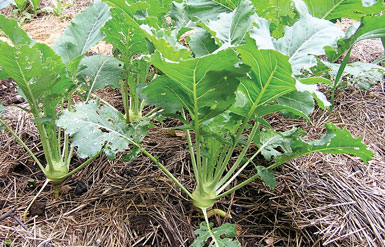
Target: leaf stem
{"points": [[18, 139]]}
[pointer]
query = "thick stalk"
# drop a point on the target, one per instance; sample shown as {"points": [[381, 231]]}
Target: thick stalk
{"points": [[65, 153], [191, 150], [204, 210], [126, 104], [197, 139]]}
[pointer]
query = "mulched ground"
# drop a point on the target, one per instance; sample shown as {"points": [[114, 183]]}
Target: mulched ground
{"points": [[320, 200]]}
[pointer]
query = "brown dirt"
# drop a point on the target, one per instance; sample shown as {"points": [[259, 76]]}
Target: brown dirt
{"points": [[320, 200]]}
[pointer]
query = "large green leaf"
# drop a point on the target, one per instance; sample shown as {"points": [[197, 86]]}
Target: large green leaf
{"points": [[230, 29], [93, 128], [271, 77], [204, 86], [37, 70], [335, 9], [371, 27], [83, 33], [222, 235], [11, 28], [306, 38], [209, 9], [336, 141], [98, 72], [128, 40]]}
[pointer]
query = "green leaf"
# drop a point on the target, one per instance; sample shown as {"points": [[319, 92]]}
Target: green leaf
{"points": [[93, 128], [272, 74], [83, 33], [209, 9], [371, 27], [204, 86], [21, 4], [267, 176], [306, 38], [222, 234], [38, 71], [202, 43], [35, 4], [230, 29], [302, 101], [3, 75], [336, 9], [336, 141], [315, 80], [123, 36], [17, 35], [99, 72]]}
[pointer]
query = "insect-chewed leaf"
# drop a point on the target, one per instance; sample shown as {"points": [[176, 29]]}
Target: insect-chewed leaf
{"points": [[83, 33], [127, 38], [222, 235], [306, 38], [335, 9], [37, 70], [272, 74], [204, 86], [336, 141], [93, 128], [17, 35], [98, 72]]}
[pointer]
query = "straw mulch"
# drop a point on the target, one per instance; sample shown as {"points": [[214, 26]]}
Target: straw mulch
{"points": [[320, 200]]}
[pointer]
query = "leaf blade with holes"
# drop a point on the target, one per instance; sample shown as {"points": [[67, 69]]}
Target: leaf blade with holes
{"points": [[104, 127], [204, 86]]}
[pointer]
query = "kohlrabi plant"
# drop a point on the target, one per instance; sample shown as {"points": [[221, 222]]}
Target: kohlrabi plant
{"points": [[237, 69], [47, 77]]}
